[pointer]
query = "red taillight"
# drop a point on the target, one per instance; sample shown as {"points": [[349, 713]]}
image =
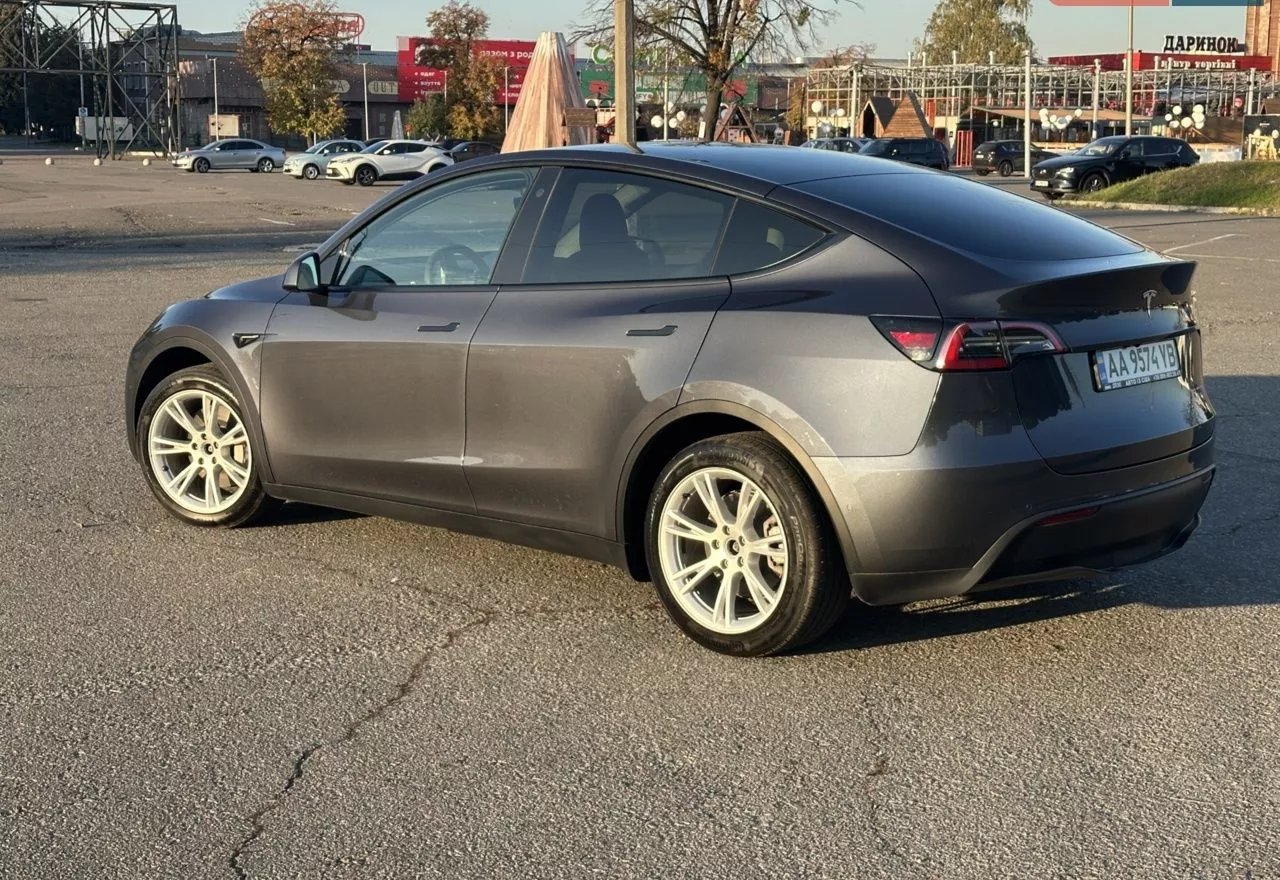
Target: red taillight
{"points": [[967, 345], [1072, 516]]}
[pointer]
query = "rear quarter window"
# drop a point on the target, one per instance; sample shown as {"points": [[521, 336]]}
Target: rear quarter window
{"points": [[972, 217]]}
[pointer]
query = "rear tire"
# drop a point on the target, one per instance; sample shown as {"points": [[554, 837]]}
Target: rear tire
{"points": [[1006, 168], [743, 582], [266, 165], [981, 173], [191, 434]]}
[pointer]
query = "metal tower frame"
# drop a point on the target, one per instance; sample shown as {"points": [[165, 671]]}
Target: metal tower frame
{"points": [[128, 53]]}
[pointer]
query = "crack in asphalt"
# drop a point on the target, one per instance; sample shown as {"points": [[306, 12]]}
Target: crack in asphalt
{"points": [[879, 768], [258, 820]]}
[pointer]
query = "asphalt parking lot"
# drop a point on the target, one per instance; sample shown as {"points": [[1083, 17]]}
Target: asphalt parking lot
{"points": [[341, 696]]}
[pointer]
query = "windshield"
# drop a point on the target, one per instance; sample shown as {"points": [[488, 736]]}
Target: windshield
{"points": [[374, 147], [1102, 147], [317, 148]]}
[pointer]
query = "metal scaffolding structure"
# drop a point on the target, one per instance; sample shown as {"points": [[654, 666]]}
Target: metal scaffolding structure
{"points": [[951, 91], [125, 54]]}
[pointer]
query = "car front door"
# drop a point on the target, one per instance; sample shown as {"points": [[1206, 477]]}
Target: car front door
{"points": [[1132, 161], [571, 364], [363, 385]]}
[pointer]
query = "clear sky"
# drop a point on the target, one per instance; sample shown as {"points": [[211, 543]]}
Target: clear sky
{"points": [[889, 24]]}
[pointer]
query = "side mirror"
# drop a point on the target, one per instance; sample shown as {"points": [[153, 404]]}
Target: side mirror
{"points": [[304, 275]]}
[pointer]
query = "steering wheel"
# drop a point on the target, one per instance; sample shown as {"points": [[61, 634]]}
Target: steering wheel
{"points": [[448, 266]]}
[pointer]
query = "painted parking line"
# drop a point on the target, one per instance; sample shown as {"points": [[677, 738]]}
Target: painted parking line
{"points": [[277, 222], [1183, 247]]}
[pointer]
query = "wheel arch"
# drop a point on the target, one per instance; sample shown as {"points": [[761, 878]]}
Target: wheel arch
{"points": [[179, 353], [688, 424]]}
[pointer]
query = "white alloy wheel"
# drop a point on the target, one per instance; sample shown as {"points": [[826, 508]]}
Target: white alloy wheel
{"points": [[199, 451], [723, 551]]}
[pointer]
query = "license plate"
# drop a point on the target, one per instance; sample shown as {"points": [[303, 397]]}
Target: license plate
{"points": [[1136, 365], [1042, 183]]}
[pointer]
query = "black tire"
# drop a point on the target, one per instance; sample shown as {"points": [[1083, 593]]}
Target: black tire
{"points": [[310, 172], [346, 181], [1006, 168], [254, 503], [982, 173], [1053, 197], [366, 175], [1093, 182], [266, 165], [202, 165], [816, 590]]}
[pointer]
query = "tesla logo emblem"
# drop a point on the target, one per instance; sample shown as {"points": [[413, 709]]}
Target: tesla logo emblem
{"points": [[1148, 297]]}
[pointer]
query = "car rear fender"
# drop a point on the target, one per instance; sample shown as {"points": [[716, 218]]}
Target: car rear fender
{"points": [[697, 420]]}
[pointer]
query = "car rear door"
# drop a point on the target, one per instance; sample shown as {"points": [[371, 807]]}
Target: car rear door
{"points": [[572, 363], [363, 386]]}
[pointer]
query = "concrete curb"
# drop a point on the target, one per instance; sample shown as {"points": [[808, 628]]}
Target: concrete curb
{"points": [[1173, 209]]}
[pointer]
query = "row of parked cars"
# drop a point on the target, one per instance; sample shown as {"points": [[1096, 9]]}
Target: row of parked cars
{"points": [[349, 161], [1087, 169]]}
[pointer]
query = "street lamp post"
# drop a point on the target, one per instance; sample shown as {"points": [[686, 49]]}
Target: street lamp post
{"points": [[1128, 79], [1026, 121], [364, 65], [217, 112], [1097, 73]]}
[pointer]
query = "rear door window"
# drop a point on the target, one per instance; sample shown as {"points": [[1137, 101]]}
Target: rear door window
{"points": [[971, 217], [759, 237]]}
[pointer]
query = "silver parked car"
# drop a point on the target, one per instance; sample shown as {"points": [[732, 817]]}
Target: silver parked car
{"points": [[231, 153], [311, 163]]}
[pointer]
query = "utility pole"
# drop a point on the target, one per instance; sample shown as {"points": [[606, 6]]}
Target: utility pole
{"points": [[506, 98], [1026, 122], [217, 111], [1128, 79], [624, 73], [365, 66], [1097, 73]]}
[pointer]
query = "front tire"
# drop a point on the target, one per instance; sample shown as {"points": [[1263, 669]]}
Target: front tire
{"points": [[741, 553], [310, 172], [197, 451], [202, 165], [366, 176], [1092, 183]]}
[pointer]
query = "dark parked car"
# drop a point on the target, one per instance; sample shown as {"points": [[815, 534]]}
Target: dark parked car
{"points": [[1110, 160], [1005, 157], [473, 149], [915, 151], [767, 379]]}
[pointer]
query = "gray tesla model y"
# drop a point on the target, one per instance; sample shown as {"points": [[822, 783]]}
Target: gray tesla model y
{"points": [[768, 380]]}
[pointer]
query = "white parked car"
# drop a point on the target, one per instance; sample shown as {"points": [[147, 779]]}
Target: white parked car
{"points": [[387, 160], [312, 163]]}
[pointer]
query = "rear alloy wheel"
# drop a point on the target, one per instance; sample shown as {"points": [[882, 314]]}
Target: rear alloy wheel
{"points": [[740, 552], [197, 452], [1093, 183], [1006, 168], [366, 176], [202, 165], [266, 165], [310, 172]]}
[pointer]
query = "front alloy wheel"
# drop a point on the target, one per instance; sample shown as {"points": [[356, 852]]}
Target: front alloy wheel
{"points": [[197, 452], [1093, 183], [740, 551], [366, 176], [310, 172]]}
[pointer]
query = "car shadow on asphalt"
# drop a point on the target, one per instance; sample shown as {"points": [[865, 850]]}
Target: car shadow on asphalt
{"points": [[298, 513]]}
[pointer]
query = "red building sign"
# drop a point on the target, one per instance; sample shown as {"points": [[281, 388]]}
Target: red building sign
{"points": [[1169, 61], [418, 80]]}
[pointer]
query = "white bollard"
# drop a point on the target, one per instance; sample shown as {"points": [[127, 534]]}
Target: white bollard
{"points": [[146, 163], [49, 161], [97, 163]]}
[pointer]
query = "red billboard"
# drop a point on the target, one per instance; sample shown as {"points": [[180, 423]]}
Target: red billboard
{"points": [[1168, 61], [418, 80]]}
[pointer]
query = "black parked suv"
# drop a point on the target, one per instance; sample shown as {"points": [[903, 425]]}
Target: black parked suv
{"points": [[1004, 157], [1109, 160], [917, 151]]}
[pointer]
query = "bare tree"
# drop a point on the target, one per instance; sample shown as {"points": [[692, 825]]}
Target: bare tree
{"points": [[715, 36]]}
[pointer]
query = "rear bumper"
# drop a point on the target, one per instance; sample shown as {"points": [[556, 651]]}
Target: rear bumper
{"points": [[949, 531]]}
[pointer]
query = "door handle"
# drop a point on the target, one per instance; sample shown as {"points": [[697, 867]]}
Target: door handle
{"points": [[661, 331], [438, 328]]}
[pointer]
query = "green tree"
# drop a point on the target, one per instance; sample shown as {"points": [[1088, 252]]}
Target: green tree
{"points": [[427, 118], [716, 36], [974, 28], [293, 48], [472, 79], [51, 98]]}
